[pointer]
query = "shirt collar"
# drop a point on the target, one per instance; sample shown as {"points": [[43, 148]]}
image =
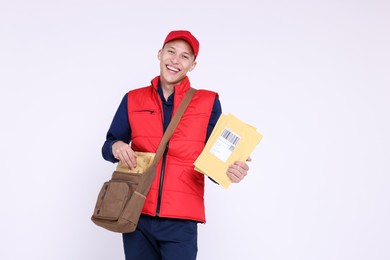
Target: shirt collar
{"points": [[161, 94]]}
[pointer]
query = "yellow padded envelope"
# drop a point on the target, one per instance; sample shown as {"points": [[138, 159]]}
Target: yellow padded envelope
{"points": [[144, 161], [231, 140]]}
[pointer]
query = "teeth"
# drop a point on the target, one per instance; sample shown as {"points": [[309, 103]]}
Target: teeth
{"points": [[172, 68]]}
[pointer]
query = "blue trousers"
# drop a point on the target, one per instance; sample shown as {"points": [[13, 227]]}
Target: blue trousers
{"points": [[162, 239]]}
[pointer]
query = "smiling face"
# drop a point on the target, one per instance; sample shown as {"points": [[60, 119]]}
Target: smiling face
{"points": [[176, 59]]}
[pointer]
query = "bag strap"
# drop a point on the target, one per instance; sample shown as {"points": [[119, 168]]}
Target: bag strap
{"points": [[172, 125], [148, 176]]}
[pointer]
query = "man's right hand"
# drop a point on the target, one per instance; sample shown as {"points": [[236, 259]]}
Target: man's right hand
{"points": [[123, 152]]}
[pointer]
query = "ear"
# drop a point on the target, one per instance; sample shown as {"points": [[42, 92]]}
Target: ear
{"points": [[159, 54], [193, 65]]}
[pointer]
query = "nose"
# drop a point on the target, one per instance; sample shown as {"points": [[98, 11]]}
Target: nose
{"points": [[175, 58]]}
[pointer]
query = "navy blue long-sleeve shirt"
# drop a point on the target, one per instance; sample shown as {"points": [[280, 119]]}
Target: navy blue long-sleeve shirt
{"points": [[120, 129]]}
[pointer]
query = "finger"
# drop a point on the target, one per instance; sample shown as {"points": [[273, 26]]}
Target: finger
{"points": [[127, 156], [242, 165], [119, 157], [131, 159], [235, 174], [233, 177]]}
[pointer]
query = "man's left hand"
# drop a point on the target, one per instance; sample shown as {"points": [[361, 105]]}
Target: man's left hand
{"points": [[238, 170]]}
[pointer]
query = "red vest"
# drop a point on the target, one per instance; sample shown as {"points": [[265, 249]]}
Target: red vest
{"points": [[178, 189]]}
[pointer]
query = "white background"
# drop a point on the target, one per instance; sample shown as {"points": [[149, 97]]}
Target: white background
{"points": [[312, 76]]}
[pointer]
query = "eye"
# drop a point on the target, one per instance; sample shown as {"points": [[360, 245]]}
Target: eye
{"points": [[170, 51], [186, 57]]}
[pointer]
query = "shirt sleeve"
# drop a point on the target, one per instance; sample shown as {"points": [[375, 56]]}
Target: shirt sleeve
{"points": [[119, 131], [215, 114]]}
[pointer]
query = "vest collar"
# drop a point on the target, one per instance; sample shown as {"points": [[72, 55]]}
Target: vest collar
{"points": [[180, 88]]}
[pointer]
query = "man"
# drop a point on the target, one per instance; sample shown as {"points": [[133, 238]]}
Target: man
{"points": [[167, 228]]}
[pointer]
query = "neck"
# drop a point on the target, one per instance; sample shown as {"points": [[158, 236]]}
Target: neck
{"points": [[167, 90]]}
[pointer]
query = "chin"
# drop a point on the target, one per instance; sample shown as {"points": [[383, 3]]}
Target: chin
{"points": [[173, 80]]}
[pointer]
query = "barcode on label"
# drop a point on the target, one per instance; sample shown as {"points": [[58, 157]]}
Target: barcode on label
{"points": [[231, 137]]}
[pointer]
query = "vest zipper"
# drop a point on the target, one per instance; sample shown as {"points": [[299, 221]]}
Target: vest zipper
{"points": [[164, 158]]}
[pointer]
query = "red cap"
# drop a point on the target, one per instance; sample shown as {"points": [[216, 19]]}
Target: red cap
{"points": [[186, 36]]}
